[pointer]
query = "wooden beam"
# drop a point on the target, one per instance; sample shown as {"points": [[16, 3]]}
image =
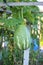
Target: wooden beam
{"points": [[21, 3]]}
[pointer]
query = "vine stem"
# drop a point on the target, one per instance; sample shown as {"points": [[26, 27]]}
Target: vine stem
{"points": [[22, 12]]}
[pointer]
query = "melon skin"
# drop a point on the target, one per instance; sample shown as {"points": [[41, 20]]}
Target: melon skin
{"points": [[22, 37]]}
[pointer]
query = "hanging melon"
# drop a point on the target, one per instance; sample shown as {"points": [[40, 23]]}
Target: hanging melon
{"points": [[22, 37]]}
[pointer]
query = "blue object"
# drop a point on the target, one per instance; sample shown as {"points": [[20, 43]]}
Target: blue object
{"points": [[35, 48]]}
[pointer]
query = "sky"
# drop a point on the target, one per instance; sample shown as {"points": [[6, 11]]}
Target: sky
{"points": [[40, 0], [40, 7]]}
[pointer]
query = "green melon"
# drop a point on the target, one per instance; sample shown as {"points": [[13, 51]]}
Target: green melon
{"points": [[22, 37]]}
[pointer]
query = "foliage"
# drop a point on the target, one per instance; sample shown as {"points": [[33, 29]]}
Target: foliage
{"points": [[19, 0], [14, 55]]}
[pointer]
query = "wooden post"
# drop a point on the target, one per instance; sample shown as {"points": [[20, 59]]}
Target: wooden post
{"points": [[26, 57]]}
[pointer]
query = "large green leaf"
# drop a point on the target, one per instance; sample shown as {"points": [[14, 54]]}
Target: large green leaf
{"points": [[11, 24]]}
